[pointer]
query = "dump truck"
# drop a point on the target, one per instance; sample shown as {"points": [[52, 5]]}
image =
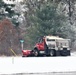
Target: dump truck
{"points": [[50, 46]]}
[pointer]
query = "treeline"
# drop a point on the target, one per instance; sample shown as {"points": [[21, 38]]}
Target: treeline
{"points": [[50, 17], [32, 19]]}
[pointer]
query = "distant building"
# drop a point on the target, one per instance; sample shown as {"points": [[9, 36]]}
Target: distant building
{"points": [[11, 1]]}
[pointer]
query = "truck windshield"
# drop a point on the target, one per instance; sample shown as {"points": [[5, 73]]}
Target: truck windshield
{"points": [[40, 40], [50, 39]]}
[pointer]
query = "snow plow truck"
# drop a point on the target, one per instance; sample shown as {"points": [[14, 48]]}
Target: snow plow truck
{"points": [[50, 46]]}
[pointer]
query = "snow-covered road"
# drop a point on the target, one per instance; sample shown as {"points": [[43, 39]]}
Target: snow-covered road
{"points": [[9, 65]]}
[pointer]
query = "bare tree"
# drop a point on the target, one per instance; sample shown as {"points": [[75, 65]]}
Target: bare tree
{"points": [[9, 38]]}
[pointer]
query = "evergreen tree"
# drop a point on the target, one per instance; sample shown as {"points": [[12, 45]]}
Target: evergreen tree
{"points": [[45, 21], [1, 9], [7, 11]]}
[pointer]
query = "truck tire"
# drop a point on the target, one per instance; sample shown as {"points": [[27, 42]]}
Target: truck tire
{"points": [[52, 53], [65, 53], [36, 53]]}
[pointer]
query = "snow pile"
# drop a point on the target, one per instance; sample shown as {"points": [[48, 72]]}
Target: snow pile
{"points": [[10, 65]]}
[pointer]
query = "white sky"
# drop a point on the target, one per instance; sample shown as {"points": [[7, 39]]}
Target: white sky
{"points": [[11, 1]]}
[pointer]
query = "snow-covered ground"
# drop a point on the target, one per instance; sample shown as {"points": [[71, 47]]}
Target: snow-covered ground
{"points": [[73, 54], [11, 65]]}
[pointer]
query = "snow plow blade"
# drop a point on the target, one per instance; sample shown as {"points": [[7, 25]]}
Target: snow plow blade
{"points": [[26, 53]]}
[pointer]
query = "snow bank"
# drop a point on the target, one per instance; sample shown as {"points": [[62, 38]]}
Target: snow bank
{"points": [[9, 65], [73, 54]]}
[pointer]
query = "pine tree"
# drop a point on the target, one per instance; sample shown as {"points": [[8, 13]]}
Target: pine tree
{"points": [[45, 21], [7, 11]]}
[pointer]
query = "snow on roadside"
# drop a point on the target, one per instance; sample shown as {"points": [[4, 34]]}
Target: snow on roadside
{"points": [[10, 65], [73, 54]]}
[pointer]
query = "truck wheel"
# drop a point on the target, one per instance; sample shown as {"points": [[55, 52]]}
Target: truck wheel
{"points": [[52, 53], [65, 53], [36, 53]]}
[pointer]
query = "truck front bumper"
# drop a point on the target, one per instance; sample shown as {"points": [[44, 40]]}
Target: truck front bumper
{"points": [[27, 53]]}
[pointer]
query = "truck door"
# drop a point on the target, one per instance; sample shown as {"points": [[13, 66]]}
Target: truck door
{"points": [[41, 44]]}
